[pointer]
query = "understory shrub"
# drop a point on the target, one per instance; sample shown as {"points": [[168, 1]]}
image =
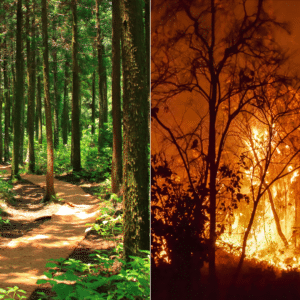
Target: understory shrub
{"points": [[72, 279]]}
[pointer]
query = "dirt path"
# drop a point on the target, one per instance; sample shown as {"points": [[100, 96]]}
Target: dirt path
{"points": [[23, 260]]}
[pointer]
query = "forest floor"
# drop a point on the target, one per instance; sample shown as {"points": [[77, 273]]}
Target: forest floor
{"points": [[257, 281], [26, 215]]}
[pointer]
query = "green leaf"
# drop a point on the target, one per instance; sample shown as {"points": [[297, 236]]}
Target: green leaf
{"points": [[70, 276], [51, 265], [62, 290], [48, 274]]}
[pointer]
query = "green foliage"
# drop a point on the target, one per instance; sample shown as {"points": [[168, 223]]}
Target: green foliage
{"points": [[104, 188], [6, 192], [117, 199], [96, 281], [3, 221], [6, 294], [96, 167], [107, 224]]}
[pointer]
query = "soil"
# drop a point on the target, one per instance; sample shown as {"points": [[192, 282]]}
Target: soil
{"points": [[26, 212]]}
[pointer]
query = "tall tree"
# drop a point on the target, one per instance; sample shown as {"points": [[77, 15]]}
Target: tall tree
{"points": [[76, 163], [31, 91], [147, 43], [65, 114], [102, 79], [93, 102], [135, 122], [39, 125], [7, 106], [50, 157], [116, 168], [56, 94], [1, 101], [18, 100]]}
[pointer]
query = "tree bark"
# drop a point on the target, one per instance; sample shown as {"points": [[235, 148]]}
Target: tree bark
{"points": [[135, 165], [19, 96], [93, 102], [39, 111], [76, 163], [1, 101], [56, 94], [50, 159], [7, 108], [116, 169], [102, 80], [65, 117], [30, 109]]}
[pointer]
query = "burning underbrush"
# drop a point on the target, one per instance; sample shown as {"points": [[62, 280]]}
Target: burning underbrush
{"points": [[259, 278], [272, 255]]}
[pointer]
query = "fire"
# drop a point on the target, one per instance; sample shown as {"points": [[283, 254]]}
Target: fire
{"points": [[264, 242]]}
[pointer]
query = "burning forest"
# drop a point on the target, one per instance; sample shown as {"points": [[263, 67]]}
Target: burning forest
{"points": [[225, 162]]}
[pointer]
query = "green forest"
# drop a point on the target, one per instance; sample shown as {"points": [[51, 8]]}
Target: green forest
{"points": [[74, 149]]}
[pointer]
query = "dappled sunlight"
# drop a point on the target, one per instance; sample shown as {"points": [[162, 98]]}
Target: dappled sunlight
{"points": [[65, 210], [23, 259]]}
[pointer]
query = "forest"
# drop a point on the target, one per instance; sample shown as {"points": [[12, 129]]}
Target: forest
{"points": [[225, 151], [75, 149]]}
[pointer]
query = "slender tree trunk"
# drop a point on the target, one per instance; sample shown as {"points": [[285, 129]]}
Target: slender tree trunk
{"points": [[147, 43], [102, 80], [75, 95], [65, 117], [30, 109], [243, 255], [39, 110], [19, 95], [56, 94], [7, 108], [135, 165], [212, 161], [1, 101], [93, 102], [116, 169], [277, 221], [50, 159]]}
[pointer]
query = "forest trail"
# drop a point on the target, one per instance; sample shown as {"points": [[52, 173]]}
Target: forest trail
{"points": [[23, 260]]}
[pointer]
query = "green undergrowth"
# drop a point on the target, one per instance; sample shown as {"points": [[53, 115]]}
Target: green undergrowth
{"points": [[6, 190], [72, 279], [109, 223], [109, 276], [11, 293], [95, 166]]}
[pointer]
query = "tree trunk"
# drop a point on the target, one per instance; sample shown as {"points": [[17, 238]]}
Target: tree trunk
{"points": [[75, 95], [116, 168], [30, 108], [39, 110], [1, 101], [19, 96], [7, 108], [50, 159], [56, 94], [147, 43], [135, 166], [65, 117], [276, 219], [93, 102], [102, 81], [212, 161]]}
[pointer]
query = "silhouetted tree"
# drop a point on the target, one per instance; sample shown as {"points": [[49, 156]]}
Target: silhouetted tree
{"points": [[193, 51]]}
